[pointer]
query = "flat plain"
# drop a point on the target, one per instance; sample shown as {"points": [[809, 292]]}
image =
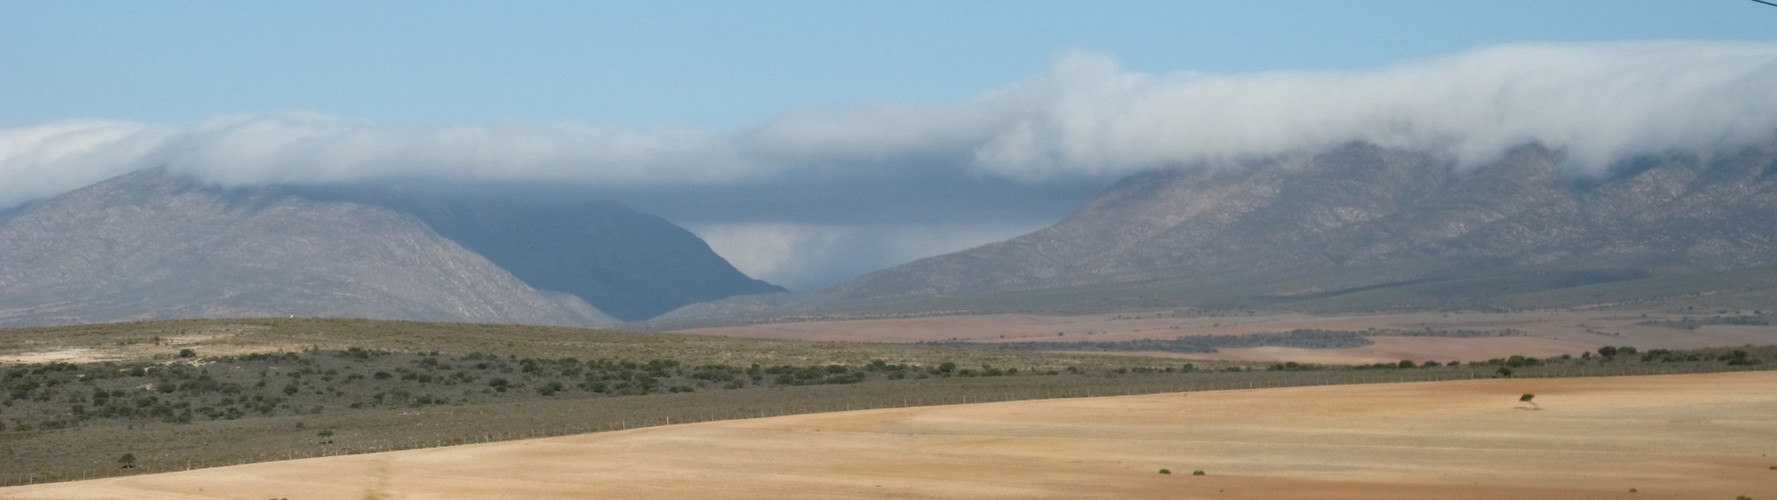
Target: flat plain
{"points": [[1677, 436], [1538, 333]]}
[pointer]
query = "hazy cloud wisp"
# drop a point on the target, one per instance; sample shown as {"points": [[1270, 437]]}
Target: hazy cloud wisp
{"points": [[812, 255]]}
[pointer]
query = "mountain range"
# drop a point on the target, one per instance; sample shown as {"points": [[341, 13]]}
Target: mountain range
{"points": [[1355, 227], [152, 244], [1356, 218]]}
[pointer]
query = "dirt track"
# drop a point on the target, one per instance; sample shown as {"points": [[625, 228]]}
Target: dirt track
{"points": [[1690, 436]]}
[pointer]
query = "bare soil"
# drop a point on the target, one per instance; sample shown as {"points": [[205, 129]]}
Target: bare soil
{"points": [[1682, 436], [1545, 333]]}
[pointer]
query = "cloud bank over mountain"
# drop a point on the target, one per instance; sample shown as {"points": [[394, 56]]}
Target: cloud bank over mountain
{"points": [[1084, 120], [1599, 102], [823, 252]]}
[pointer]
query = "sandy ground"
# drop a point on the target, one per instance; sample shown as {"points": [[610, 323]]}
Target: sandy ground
{"points": [[73, 355], [215, 340], [1546, 332], [1683, 436]]}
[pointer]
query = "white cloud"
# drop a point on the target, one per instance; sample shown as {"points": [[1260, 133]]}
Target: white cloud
{"points": [[1084, 118], [1598, 101], [47, 160], [309, 148]]}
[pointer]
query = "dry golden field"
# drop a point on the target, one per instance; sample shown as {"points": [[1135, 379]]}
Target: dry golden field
{"points": [[1684, 436]]}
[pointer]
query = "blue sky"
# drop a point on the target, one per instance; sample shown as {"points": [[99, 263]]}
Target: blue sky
{"points": [[719, 64], [811, 141]]}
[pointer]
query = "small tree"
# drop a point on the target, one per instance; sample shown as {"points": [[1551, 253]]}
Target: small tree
{"points": [[127, 461]]}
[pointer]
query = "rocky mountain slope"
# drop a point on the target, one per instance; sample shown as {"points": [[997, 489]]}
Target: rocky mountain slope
{"points": [[150, 245], [1352, 218], [630, 265]]}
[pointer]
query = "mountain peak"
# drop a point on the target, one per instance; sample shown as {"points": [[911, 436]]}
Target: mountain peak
{"points": [[149, 245]]}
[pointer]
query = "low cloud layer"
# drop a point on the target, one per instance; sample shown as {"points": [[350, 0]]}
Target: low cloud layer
{"points": [[813, 255], [1083, 120]]}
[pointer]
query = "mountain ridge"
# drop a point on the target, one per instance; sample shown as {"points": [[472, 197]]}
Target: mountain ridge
{"points": [[1354, 216], [149, 245], [631, 265]]}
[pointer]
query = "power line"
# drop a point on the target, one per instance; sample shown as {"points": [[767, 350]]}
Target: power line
{"points": [[1766, 3]]}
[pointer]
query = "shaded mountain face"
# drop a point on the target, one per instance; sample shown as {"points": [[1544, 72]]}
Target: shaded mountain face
{"points": [[148, 245], [1354, 217], [630, 265], [7, 214]]}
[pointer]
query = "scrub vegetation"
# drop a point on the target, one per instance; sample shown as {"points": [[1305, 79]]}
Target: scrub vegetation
{"points": [[1204, 344], [187, 394]]}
